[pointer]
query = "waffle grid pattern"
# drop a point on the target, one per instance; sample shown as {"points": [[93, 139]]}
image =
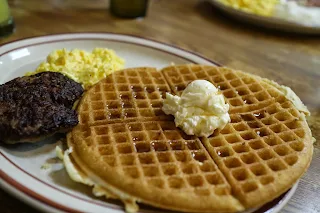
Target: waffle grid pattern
{"points": [[264, 138], [129, 95], [158, 153], [265, 134], [238, 91], [261, 146]]}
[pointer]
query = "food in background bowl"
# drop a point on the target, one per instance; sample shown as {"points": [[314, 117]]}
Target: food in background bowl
{"points": [[302, 12], [259, 7]]}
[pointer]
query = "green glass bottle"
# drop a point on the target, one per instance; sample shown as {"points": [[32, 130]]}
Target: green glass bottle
{"points": [[6, 20], [129, 8]]}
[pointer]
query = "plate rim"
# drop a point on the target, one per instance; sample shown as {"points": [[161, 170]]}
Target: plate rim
{"points": [[23, 196], [42, 204], [8, 43]]}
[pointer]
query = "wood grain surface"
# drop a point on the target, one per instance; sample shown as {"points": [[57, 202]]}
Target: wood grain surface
{"points": [[289, 59]]}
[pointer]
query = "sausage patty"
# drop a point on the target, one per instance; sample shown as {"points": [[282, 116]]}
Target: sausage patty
{"points": [[33, 107]]}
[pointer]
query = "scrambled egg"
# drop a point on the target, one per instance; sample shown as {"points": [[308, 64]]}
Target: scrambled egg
{"points": [[83, 67], [259, 7]]}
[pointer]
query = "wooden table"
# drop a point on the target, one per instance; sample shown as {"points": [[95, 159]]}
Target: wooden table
{"points": [[292, 60]]}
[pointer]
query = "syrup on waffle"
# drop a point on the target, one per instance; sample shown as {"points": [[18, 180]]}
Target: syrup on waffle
{"points": [[153, 162], [130, 95]]}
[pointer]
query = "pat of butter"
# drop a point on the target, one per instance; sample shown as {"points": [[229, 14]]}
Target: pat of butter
{"points": [[200, 110]]}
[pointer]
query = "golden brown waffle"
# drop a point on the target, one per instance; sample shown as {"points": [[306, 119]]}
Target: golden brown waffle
{"points": [[129, 95], [266, 147], [152, 162], [145, 158]]}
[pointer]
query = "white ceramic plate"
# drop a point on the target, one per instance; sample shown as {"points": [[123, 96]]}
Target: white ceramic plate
{"points": [[268, 22], [50, 189]]}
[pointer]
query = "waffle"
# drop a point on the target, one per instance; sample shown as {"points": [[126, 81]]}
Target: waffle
{"points": [[267, 145], [144, 158], [152, 162], [125, 96]]}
